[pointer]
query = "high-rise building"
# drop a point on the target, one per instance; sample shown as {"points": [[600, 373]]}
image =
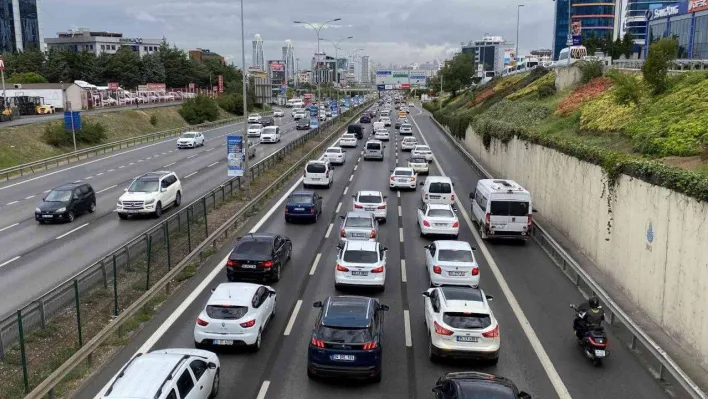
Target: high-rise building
{"points": [[634, 19], [257, 59], [365, 69], [596, 16], [19, 26], [488, 52], [289, 59]]}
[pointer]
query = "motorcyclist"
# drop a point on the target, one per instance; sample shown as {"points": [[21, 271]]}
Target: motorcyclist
{"points": [[590, 315]]}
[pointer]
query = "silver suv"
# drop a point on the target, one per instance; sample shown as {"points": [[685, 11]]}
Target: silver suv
{"points": [[358, 225]]}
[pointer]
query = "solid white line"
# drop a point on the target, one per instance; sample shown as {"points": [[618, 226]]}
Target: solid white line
{"points": [[106, 189], [12, 203], [10, 261], [407, 327], [536, 344], [10, 226], [314, 264], [190, 175], [88, 178], [400, 233], [291, 322], [209, 166], [30, 197], [69, 232], [264, 390], [399, 211], [404, 276], [339, 206], [351, 177], [169, 164], [346, 189], [329, 230]]}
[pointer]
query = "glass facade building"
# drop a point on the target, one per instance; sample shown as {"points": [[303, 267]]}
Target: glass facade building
{"points": [[689, 28], [596, 16], [635, 19], [19, 25]]}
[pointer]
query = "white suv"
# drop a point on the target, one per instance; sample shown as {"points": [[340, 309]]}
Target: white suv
{"points": [[150, 193]]}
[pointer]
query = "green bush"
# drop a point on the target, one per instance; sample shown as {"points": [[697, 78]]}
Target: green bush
{"points": [[546, 90], [199, 109], [656, 66], [91, 133], [591, 70], [153, 119], [628, 89]]}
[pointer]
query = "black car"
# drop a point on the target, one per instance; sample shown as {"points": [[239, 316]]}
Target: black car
{"points": [[399, 122], [365, 119], [472, 384], [63, 203], [303, 205], [259, 257], [357, 130], [303, 124], [267, 121]]}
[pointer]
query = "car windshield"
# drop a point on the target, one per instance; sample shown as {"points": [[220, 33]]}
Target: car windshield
{"points": [[453, 255], [348, 136], [316, 168], [403, 172], [406, 126], [440, 188], [269, 131], [344, 335], [301, 199], [373, 146], [253, 248], [423, 148], [509, 208], [188, 136], [144, 186], [255, 126], [356, 256], [440, 213], [475, 389], [58, 196], [467, 320], [223, 312], [334, 151], [370, 199], [358, 222], [418, 160]]}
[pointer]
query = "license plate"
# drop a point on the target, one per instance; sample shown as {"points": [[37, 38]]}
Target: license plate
{"points": [[131, 211], [402, 180], [499, 226], [358, 234], [599, 353], [223, 342], [47, 216], [440, 224], [359, 273], [370, 209], [248, 266], [456, 274], [434, 197], [300, 209], [347, 358], [316, 178], [467, 339]]}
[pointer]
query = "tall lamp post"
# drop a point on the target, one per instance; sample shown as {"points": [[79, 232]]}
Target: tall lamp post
{"points": [[516, 50], [245, 108], [317, 31], [336, 57], [297, 74]]}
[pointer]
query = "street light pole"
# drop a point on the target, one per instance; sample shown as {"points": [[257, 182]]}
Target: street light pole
{"points": [[516, 51], [336, 58], [317, 31], [245, 109], [297, 74], [352, 54]]}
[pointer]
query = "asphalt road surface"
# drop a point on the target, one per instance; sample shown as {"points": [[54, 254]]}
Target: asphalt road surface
{"points": [[538, 352]]}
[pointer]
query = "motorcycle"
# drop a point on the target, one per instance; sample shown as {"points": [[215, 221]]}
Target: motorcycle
{"points": [[594, 342]]}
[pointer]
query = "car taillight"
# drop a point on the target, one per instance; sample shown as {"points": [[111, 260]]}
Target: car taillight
{"points": [[377, 270], [372, 234], [318, 343], [440, 330], [425, 196], [312, 211], [488, 219], [327, 174], [285, 210], [475, 271], [357, 206], [341, 268], [231, 263], [452, 197], [392, 178], [425, 223], [412, 178], [248, 324], [530, 221], [267, 264], [202, 323], [437, 270], [342, 233], [456, 224], [492, 334], [370, 345], [382, 206]]}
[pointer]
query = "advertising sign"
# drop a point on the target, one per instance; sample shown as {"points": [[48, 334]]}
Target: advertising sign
{"points": [[314, 122], [405, 86], [234, 155], [157, 86], [697, 5], [220, 80], [576, 30], [277, 67], [381, 87], [113, 86], [389, 87]]}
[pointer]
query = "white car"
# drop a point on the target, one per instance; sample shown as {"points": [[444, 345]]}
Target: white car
{"points": [[318, 173], [270, 134], [371, 201], [403, 177], [451, 263], [381, 134], [254, 130], [323, 116], [406, 129], [438, 219], [278, 113], [190, 140], [419, 165], [150, 193], [236, 314], [361, 263], [348, 140], [254, 118], [461, 324], [411, 105], [386, 120], [300, 115], [336, 155], [408, 143], [423, 151]]}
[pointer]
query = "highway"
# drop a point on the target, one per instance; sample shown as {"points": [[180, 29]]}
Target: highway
{"points": [[531, 296], [57, 251]]}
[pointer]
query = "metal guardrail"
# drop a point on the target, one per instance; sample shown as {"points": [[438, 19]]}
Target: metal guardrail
{"points": [[232, 225], [617, 317]]}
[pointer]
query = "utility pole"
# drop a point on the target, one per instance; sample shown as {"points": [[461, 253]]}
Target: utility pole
{"points": [[246, 146], [516, 50], [317, 63]]}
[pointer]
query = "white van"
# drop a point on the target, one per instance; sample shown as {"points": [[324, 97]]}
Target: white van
{"points": [[438, 190], [379, 125], [318, 173], [374, 149], [502, 209]]}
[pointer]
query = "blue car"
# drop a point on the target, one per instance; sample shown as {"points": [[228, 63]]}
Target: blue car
{"points": [[347, 338], [303, 205], [365, 119]]}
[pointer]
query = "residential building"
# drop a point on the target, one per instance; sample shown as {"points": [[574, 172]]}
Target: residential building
{"points": [[276, 74], [262, 86], [688, 22], [304, 76], [257, 60], [634, 18], [323, 71], [98, 42], [365, 69], [596, 16], [289, 59], [201, 54], [20, 27], [490, 52]]}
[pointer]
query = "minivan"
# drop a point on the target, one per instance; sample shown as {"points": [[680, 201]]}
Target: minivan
{"points": [[374, 149], [357, 130], [438, 190], [502, 209], [318, 173]]}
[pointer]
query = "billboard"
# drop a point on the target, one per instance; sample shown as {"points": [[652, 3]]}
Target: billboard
{"points": [[234, 155], [392, 77], [113, 86], [157, 86], [277, 67], [417, 79], [220, 80]]}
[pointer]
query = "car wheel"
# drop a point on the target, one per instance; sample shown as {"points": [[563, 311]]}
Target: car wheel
{"points": [[40, 221], [122, 216], [70, 216], [215, 385], [257, 346], [92, 208], [158, 210], [277, 273], [287, 219], [310, 374], [178, 199], [431, 353]]}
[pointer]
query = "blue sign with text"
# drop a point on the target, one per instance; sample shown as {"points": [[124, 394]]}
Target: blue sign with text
{"points": [[234, 155], [72, 120]]}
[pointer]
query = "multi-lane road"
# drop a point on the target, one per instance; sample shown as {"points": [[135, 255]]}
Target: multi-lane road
{"points": [[538, 351], [35, 258]]}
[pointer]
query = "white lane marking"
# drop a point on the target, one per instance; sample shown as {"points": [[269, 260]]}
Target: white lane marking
{"points": [[339, 206], [8, 227], [212, 149], [536, 344], [404, 276], [99, 174], [276, 206], [315, 263], [264, 390], [400, 233], [398, 193], [396, 160], [106, 189], [111, 170], [169, 164], [140, 160], [12, 203], [329, 230], [69, 232], [191, 174], [9, 261], [399, 211], [88, 178], [121, 167], [192, 156], [291, 322], [351, 177], [132, 163], [358, 160], [148, 158], [209, 166], [356, 166], [407, 327]]}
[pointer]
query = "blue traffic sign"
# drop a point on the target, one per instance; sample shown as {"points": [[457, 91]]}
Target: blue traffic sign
{"points": [[72, 120]]}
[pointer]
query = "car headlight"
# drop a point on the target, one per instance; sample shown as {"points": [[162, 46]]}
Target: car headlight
{"points": [[120, 203], [61, 210], [150, 201], [37, 210]]}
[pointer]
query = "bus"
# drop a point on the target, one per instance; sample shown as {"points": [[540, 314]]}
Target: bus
{"points": [[571, 55]]}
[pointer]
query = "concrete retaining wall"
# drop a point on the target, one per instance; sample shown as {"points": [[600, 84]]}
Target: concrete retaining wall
{"points": [[567, 77], [652, 241]]}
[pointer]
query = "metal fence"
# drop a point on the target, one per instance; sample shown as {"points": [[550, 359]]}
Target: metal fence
{"points": [[642, 345]]}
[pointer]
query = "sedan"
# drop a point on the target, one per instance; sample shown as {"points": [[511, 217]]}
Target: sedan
{"points": [[371, 201], [358, 225], [254, 130], [408, 143], [278, 113], [259, 256], [336, 155], [361, 263], [303, 205], [267, 121], [423, 151], [365, 119], [474, 384], [348, 140], [254, 118], [236, 314], [381, 134], [438, 219], [386, 120], [419, 165], [451, 263], [406, 129], [403, 177], [190, 140]]}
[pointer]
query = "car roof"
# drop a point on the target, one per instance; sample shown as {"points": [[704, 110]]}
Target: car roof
{"points": [[478, 376], [419, 158], [334, 147], [145, 373], [361, 245], [360, 214], [270, 128], [322, 161], [438, 179], [367, 192], [302, 193], [69, 186], [403, 168], [267, 237], [464, 299], [348, 311], [452, 244], [155, 175], [233, 293], [190, 131], [440, 206], [373, 141]]}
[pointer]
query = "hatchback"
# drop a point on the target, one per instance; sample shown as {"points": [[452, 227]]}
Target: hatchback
{"points": [[318, 173], [371, 201], [406, 129], [451, 263], [361, 263]]}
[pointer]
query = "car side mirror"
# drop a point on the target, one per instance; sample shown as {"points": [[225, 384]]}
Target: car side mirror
{"points": [[353, 196], [472, 196], [339, 246], [422, 183], [489, 298], [524, 395], [384, 249], [212, 366], [342, 217], [427, 246], [474, 248], [317, 304], [163, 189], [426, 294], [271, 293], [384, 308], [391, 172]]}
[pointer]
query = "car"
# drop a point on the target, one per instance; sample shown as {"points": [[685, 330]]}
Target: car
{"points": [[398, 123], [328, 113], [63, 203], [236, 314], [150, 193], [419, 165], [336, 155], [411, 105], [278, 113], [381, 134], [438, 190], [386, 120], [164, 372], [473, 384], [365, 119], [254, 130], [252, 147], [348, 140], [270, 134], [358, 225], [461, 324], [267, 121], [423, 151], [259, 257], [403, 177], [303, 205], [357, 130], [374, 149], [406, 129], [303, 124], [322, 116], [438, 219], [254, 118], [451, 262], [296, 110], [408, 143], [300, 115], [360, 263], [502, 209], [318, 173], [190, 140], [347, 338], [371, 201]]}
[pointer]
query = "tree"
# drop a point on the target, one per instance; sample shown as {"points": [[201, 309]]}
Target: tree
{"points": [[656, 66], [458, 74], [199, 109], [124, 67], [628, 45], [433, 84], [153, 70], [290, 93], [26, 77]]}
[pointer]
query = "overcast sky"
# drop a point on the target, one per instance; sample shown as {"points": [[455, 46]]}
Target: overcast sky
{"points": [[390, 31]]}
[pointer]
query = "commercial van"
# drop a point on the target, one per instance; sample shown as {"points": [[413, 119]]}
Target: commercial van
{"points": [[374, 149], [438, 190], [502, 209], [356, 130], [318, 173], [379, 125]]}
